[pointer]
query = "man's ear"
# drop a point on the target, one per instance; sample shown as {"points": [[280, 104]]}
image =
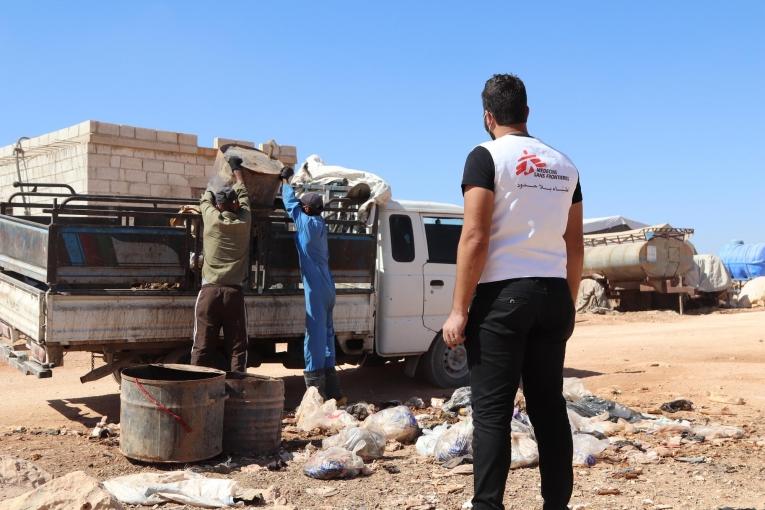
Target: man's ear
{"points": [[489, 120]]}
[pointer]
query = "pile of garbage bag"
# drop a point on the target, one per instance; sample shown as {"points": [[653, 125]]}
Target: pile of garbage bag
{"points": [[596, 424], [344, 453]]}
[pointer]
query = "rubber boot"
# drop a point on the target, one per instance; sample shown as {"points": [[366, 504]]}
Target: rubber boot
{"points": [[333, 386], [317, 379]]}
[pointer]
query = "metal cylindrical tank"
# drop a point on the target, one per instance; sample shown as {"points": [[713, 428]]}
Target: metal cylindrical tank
{"points": [[657, 258], [252, 423], [171, 413], [744, 261]]}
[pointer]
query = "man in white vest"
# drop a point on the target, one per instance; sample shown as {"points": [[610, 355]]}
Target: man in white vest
{"points": [[519, 264]]}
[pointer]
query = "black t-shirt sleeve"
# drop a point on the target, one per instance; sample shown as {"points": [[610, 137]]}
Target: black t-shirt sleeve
{"points": [[479, 169], [577, 193]]}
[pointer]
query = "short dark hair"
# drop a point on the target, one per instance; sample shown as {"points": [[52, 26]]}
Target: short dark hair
{"points": [[504, 96]]}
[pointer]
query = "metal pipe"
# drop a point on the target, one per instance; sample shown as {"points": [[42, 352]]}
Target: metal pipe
{"points": [[35, 185], [19, 151]]}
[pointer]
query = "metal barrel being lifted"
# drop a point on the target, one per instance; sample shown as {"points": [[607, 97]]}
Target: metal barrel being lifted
{"points": [[656, 258], [171, 413], [253, 414]]}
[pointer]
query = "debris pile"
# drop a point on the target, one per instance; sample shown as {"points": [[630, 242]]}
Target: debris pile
{"points": [[344, 453]]}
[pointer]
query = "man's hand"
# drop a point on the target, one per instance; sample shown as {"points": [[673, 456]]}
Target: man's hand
{"points": [[286, 174], [453, 329], [235, 162]]}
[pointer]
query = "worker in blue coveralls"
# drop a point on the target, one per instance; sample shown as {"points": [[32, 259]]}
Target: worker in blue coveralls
{"points": [[318, 285]]}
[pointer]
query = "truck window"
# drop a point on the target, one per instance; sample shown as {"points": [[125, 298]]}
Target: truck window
{"points": [[401, 238], [443, 235]]}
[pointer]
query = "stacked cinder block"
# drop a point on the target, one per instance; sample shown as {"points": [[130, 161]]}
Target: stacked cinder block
{"points": [[102, 158], [60, 157], [127, 160]]}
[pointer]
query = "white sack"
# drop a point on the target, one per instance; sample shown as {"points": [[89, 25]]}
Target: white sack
{"points": [[315, 171], [184, 487]]}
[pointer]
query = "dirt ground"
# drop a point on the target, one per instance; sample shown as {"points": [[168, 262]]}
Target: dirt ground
{"points": [[638, 359]]}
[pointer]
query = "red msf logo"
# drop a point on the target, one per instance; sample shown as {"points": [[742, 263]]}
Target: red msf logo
{"points": [[528, 163]]}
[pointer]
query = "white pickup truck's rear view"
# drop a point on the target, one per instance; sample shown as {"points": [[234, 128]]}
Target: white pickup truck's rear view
{"points": [[110, 276]]}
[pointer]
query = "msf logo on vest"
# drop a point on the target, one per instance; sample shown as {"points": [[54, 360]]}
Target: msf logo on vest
{"points": [[528, 164]]}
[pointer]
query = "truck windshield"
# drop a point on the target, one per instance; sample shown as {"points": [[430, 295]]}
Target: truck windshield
{"points": [[443, 235]]}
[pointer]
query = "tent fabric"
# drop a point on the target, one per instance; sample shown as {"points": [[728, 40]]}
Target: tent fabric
{"points": [[708, 274], [611, 224], [315, 171], [592, 297]]}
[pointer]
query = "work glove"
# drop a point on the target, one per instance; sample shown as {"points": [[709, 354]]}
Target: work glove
{"points": [[235, 162], [286, 173]]}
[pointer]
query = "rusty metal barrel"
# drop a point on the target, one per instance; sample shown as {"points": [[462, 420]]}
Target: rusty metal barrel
{"points": [[171, 413], [252, 423]]}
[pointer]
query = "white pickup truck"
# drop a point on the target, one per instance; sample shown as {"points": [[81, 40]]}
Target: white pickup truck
{"points": [[111, 277]]}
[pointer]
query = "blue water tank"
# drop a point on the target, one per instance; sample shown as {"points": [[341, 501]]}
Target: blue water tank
{"points": [[744, 261]]}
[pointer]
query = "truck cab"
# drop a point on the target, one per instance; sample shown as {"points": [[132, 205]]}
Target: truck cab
{"points": [[416, 273]]}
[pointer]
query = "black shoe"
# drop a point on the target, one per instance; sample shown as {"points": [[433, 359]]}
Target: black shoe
{"points": [[317, 379], [333, 386]]}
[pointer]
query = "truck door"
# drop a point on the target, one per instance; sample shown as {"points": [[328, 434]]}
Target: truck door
{"points": [[399, 314], [442, 234]]}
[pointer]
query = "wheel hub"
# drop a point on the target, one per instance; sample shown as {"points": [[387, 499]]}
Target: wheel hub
{"points": [[455, 360]]}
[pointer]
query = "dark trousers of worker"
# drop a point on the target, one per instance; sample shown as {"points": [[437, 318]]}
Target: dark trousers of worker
{"points": [[518, 329], [220, 307]]}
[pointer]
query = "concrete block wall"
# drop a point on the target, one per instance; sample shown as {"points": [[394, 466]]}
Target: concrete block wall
{"points": [[103, 158], [60, 157], [127, 160]]}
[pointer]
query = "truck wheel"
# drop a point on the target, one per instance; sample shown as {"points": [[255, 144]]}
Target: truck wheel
{"points": [[444, 367]]}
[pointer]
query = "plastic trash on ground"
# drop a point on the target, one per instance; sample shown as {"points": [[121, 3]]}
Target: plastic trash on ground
{"points": [[677, 405], [426, 443], [587, 448], [455, 443], [648, 457], [360, 410], [334, 462], [718, 431], [313, 413], [367, 443], [396, 423], [521, 423], [523, 450], [573, 389], [663, 426], [599, 424], [460, 398], [593, 406], [184, 487]]}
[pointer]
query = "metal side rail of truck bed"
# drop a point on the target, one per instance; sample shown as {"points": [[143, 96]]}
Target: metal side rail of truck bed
{"points": [[114, 276]]}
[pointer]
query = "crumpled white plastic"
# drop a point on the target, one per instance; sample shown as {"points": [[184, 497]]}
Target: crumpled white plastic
{"points": [[313, 413], [314, 170], [185, 487]]}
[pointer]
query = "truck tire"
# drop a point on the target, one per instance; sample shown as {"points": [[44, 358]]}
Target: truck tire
{"points": [[444, 367]]}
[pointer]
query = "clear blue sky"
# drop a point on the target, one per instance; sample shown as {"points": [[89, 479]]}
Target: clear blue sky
{"points": [[660, 104]]}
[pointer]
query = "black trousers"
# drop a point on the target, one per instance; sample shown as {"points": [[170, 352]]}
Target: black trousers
{"points": [[220, 306], [518, 329]]}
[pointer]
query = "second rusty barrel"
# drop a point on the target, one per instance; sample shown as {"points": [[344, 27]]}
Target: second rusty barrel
{"points": [[252, 421]]}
